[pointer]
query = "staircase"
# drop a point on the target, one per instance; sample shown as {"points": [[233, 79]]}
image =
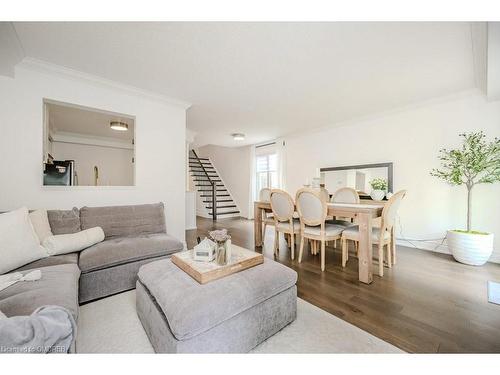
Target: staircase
{"points": [[211, 188]]}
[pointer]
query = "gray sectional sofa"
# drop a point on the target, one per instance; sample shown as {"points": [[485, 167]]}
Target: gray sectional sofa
{"points": [[134, 235]]}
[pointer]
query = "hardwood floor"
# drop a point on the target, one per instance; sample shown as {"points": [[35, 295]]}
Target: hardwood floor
{"points": [[427, 303]]}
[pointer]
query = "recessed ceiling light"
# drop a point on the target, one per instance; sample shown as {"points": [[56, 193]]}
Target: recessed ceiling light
{"points": [[238, 136], [118, 125]]}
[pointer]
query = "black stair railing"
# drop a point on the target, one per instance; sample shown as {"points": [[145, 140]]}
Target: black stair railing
{"points": [[214, 186]]}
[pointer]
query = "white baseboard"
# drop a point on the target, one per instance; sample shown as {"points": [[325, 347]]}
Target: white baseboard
{"points": [[435, 246]]}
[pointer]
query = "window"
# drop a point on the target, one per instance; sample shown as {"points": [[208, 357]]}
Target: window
{"points": [[267, 171]]}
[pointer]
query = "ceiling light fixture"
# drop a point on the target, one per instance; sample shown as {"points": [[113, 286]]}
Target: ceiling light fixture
{"points": [[238, 136], [118, 125]]}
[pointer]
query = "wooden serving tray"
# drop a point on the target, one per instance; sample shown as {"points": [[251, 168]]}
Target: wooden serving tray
{"points": [[204, 272]]}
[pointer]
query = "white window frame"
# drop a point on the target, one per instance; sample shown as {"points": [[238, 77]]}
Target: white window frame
{"points": [[268, 171]]}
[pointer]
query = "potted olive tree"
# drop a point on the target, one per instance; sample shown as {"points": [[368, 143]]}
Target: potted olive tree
{"points": [[476, 162]]}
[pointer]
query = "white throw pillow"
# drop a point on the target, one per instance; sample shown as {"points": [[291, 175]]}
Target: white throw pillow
{"points": [[68, 243], [41, 224], [19, 243]]}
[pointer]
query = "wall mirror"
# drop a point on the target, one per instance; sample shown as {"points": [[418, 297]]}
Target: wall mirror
{"points": [[87, 147], [357, 177]]}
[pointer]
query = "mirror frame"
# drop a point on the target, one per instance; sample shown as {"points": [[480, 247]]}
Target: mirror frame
{"points": [[389, 166]]}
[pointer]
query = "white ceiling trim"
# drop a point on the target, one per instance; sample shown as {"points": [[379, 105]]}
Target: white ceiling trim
{"points": [[32, 64]]}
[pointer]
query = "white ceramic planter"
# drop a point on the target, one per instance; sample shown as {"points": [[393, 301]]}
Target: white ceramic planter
{"points": [[472, 249], [377, 195]]}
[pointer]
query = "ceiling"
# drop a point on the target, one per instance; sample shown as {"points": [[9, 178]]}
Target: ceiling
{"points": [[87, 121], [266, 79]]}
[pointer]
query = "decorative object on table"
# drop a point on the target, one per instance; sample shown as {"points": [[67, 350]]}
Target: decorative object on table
{"points": [[223, 246], [204, 251], [203, 272], [476, 162], [389, 195], [379, 187]]}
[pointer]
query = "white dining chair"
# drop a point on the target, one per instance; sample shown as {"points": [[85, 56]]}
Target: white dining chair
{"points": [[344, 195], [383, 236], [267, 217], [312, 212], [283, 208]]}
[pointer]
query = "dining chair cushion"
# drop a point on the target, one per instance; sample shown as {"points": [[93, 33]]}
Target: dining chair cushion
{"points": [[285, 225], [282, 205], [353, 232], [311, 207], [330, 229]]}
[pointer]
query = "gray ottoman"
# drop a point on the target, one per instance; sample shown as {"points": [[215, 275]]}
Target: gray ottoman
{"points": [[230, 315]]}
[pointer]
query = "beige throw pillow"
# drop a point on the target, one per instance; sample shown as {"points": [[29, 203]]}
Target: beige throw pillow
{"points": [[41, 224], [19, 243]]}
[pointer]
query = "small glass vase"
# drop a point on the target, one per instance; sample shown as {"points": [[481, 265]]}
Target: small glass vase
{"points": [[221, 255]]}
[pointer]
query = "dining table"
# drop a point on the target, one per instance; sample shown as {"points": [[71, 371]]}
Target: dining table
{"points": [[362, 213]]}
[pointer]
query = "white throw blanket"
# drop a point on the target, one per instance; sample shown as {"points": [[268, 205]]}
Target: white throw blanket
{"points": [[49, 329], [12, 278]]}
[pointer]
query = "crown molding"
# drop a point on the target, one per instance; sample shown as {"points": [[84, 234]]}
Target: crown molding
{"points": [[40, 66]]}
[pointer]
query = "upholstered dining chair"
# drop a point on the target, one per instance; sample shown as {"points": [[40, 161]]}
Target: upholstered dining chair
{"points": [[283, 208], [344, 195], [267, 217], [312, 212], [383, 236]]}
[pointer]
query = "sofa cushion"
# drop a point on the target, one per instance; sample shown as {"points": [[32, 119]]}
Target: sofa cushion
{"points": [[19, 244], [192, 308], [119, 221], [120, 250], [58, 286], [71, 258], [41, 225], [64, 221]]}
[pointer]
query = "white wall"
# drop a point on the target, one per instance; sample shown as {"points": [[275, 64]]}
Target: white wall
{"points": [[160, 144], [411, 139], [233, 165], [114, 164]]}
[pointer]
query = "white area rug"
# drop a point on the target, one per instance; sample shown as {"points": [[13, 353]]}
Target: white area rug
{"points": [[111, 325]]}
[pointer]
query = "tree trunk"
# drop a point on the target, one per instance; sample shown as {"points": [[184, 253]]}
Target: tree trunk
{"points": [[469, 206]]}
